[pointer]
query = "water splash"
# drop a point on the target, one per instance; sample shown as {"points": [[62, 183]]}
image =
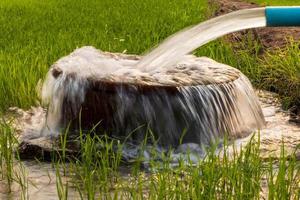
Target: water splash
{"points": [[198, 96], [175, 47], [207, 101]]}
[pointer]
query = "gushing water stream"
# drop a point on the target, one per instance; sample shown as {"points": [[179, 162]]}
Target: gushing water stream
{"points": [[175, 47]]}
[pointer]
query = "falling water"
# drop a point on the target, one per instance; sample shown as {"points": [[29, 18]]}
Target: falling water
{"points": [[196, 96], [175, 47]]}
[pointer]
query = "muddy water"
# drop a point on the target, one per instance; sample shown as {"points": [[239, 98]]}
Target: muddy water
{"points": [[42, 176], [278, 128], [41, 183]]}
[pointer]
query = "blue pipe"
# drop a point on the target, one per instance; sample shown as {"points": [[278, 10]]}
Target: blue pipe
{"points": [[283, 16]]}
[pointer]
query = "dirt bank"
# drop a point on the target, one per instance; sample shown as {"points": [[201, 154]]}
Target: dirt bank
{"points": [[270, 38]]}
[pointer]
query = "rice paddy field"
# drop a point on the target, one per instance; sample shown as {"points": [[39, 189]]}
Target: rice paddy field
{"points": [[36, 33]]}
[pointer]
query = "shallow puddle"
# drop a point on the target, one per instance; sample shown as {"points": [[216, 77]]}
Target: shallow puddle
{"points": [[40, 179]]}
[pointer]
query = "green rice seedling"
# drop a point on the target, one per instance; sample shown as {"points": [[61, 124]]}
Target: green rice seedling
{"points": [[63, 148], [7, 144], [13, 171], [97, 166], [284, 177], [281, 72], [61, 186], [20, 177], [86, 167]]}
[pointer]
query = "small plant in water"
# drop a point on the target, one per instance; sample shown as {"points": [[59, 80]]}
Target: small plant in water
{"points": [[7, 143], [227, 173]]}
